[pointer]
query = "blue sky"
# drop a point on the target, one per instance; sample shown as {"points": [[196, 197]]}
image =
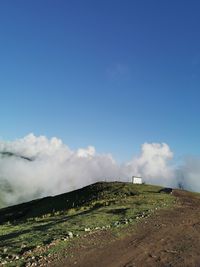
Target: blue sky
{"points": [[113, 74]]}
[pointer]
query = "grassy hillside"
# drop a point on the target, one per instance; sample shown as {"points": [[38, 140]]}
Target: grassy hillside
{"points": [[52, 222]]}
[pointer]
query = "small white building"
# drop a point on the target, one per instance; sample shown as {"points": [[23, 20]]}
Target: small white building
{"points": [[136, 180]]}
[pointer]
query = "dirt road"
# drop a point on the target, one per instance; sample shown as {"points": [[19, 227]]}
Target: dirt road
{"points": [[170, 238]]}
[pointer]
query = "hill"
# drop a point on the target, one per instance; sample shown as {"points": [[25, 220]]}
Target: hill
{"points": [[32, 231], [169, 237]]}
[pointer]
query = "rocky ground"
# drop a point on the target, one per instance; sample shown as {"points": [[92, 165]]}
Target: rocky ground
{"points": [[133, 227], [168, 238]]}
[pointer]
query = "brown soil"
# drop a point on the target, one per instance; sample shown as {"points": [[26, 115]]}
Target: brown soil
{"points": [[168, 238]]}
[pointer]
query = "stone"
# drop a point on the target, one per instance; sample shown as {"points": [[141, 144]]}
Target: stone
{"points": [[70, 234]]}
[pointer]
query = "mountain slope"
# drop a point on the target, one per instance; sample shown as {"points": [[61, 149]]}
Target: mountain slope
{"points": [[51, 221], [75, 199], [170, 237]]}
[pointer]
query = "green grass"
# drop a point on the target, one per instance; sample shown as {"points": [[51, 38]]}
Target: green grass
{"points": [[101, 205]]}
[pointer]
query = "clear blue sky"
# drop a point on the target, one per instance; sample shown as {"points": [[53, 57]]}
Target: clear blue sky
{"points": [[109, 73]]}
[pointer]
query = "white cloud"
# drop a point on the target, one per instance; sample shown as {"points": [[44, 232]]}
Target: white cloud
{"points": [[55, 168], [188, 174], [88, 152], [153, 164]]}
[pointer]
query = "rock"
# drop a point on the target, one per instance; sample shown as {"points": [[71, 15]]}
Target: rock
{"points": [[70, 234], [116, 223], [166, 190], [87, 229], [65, 238]]}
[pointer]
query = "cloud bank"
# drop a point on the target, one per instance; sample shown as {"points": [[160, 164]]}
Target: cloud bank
{"points": [[34, 167]]}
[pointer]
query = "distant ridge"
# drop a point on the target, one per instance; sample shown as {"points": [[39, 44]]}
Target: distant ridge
{"points": [[11, 154]]}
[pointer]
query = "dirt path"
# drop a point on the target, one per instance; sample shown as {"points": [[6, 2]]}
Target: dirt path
{"points": [[170, 238]]}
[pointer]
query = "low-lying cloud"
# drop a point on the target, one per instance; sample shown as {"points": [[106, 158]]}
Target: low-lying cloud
{"points": [[33, 167]]}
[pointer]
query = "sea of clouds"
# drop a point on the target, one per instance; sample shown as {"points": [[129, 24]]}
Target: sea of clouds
{"points": [[54, 168]]}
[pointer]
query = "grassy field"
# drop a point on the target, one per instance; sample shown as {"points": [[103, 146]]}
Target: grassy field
{"points": [[53, 222]]}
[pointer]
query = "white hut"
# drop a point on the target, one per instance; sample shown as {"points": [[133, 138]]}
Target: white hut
{"points": [[136, 180]]}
